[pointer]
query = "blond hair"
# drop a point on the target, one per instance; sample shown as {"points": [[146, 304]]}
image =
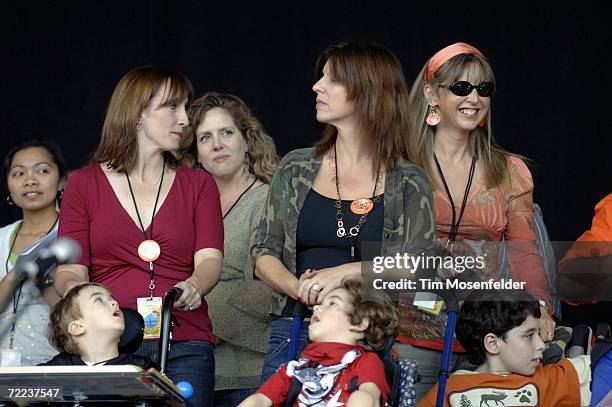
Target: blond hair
{"points": [[482, 143]]}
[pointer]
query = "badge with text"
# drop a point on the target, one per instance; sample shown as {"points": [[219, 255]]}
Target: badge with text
{"points": [[428, 302], [435, 310], [10, 358], [150, 308]]}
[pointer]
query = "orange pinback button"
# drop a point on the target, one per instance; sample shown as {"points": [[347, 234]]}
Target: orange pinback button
{"points": [[362, 206]]}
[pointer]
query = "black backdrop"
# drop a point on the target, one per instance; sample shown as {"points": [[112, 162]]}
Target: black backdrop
{"points": [[61, 61]]}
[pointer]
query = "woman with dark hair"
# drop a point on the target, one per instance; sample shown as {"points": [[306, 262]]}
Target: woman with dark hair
{"points": [[35, 176], [146, 225], [481, 193], [232, 145], [354, 186]]}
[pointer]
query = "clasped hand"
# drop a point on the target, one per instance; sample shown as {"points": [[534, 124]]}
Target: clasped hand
{"points": [[314, 285]]}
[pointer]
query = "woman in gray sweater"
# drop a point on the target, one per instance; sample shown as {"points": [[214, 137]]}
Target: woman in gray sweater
{"points": [[231, 144]]}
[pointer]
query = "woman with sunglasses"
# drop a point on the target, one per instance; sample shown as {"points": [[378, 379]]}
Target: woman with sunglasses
{"points": [[481, 192]]}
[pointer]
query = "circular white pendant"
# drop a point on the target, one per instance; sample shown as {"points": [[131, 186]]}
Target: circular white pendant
{"points": [[149, 250]]}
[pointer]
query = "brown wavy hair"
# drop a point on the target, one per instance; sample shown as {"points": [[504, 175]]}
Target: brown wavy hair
{"points": [[261, 151], [375, 81], [482, 142], [65, 312], [118, 146], [378, 309]]}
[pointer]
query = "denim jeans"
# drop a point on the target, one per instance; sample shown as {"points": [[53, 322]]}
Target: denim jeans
{"points": [[233, 397], [190, 361], [278, 345]]}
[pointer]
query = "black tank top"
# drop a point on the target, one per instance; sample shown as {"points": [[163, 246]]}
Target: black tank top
{"points": [[318, 246]]}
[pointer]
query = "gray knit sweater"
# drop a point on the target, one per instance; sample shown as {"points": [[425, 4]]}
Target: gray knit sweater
{"points": [[238, 306]]}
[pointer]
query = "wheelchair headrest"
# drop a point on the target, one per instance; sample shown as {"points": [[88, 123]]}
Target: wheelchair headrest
{"points": [[132, 337]]}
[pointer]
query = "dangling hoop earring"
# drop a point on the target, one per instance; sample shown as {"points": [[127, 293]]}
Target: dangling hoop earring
{"points": [[433, 118], [9, 200]]}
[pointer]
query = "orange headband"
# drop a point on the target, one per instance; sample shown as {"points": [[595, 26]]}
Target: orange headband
{"points": [[447, 53]]}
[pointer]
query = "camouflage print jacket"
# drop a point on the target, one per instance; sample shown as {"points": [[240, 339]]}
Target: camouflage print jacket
{"points": [[408, 211]]}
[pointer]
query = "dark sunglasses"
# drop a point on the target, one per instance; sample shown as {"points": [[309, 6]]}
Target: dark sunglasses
{"points": [[464, 88]]}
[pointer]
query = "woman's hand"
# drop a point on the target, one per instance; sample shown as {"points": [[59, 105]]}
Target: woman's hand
{"points": [[67, 276], [547, 325], [314, 285], [307, 288], [191, 298]]}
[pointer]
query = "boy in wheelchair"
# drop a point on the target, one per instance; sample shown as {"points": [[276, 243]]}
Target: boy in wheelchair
{"points": [[499, 331], [87, 325], [339, 366]]}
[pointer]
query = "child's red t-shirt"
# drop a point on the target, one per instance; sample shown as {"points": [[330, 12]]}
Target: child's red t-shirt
{"points": [[366, 368]]}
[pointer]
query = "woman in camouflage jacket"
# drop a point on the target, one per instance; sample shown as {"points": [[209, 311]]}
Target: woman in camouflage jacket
{"points": [[309, 239]]}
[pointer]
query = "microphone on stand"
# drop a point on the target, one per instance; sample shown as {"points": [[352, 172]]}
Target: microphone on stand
{"points": [[61, 251]]}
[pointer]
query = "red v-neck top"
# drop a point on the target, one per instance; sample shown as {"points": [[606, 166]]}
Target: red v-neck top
{"points": [[189, 219]]}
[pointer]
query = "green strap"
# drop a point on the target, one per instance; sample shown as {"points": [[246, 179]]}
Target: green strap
{"points": [[12, 257]]}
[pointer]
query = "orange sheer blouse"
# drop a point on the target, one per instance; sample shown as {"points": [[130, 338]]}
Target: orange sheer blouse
{"points": [[490, 214]]}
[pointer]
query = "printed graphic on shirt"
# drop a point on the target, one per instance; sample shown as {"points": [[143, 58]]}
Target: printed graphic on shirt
{"points": [[525, 396], [318, 383]]}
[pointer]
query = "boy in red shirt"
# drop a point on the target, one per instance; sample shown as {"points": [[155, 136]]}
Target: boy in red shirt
{"points": [[339, 366], [499, 331]]}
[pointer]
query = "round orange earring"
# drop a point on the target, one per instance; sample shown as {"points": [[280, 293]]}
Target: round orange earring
{"points": [[433, 118]]}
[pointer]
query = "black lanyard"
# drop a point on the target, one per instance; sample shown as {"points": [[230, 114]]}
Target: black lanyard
{"points": [[239, 198], [455, 222], [144, 231]]}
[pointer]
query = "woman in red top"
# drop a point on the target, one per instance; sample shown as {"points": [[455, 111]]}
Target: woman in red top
{"points": [[145, 224]]}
